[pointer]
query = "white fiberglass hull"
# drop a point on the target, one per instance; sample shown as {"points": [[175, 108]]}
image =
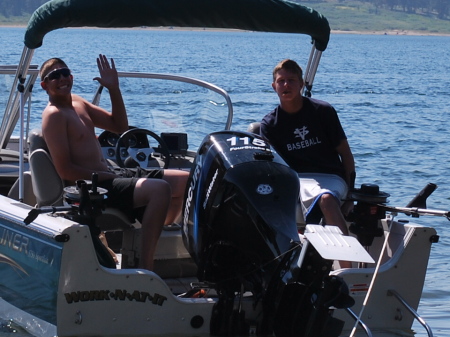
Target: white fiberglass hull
{"points": [[88, 299]]}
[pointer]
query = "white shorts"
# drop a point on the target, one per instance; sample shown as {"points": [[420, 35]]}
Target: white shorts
{"points": [[314, 185]]}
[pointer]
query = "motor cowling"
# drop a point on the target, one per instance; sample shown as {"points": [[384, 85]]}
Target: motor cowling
{"points": [[239, 210]]}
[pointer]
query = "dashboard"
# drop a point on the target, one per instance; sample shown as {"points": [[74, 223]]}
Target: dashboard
{"points": [[143, 148], [108, 142]]}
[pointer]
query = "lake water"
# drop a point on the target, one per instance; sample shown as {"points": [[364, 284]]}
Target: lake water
{"points": [[391, 93]]}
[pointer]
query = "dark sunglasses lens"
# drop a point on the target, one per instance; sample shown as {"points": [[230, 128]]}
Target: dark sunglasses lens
{"points": [[56, 74]]}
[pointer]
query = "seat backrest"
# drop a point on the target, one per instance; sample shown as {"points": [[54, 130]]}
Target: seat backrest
{"points": [[254, 127], [28, 195], [47, 184]]}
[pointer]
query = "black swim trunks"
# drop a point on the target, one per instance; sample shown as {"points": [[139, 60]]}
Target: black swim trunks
{"points": [[120, 190]]}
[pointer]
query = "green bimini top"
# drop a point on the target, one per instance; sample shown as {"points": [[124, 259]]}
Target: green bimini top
{"points": [[253, 15]]}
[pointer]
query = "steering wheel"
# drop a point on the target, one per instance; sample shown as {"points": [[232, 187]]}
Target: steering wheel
{"points": [[141, 155]]}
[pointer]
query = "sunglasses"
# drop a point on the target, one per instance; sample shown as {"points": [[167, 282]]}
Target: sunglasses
{"points": [[56, 74]]}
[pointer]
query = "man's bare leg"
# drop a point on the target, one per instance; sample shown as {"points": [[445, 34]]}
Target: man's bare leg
{"points": [[331, 210], [155, 195], [177, 180]]}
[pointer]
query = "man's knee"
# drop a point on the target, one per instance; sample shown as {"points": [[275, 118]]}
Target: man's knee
{"points": [[328, 200], [158, 186], [177, 179], [149, 188]]}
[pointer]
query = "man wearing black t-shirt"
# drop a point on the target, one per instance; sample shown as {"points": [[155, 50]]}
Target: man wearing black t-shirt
{"points": [[308, 135]]}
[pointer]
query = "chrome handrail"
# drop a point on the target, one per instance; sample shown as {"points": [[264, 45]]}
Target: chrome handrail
{"points": [[392, 292], [361, 323]]}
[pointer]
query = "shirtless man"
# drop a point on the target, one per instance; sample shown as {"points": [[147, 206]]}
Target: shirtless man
{"points": [[68, 124]]}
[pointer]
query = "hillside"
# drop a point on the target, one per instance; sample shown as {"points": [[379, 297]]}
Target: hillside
{"points": [[349, 15], [344, 15]]}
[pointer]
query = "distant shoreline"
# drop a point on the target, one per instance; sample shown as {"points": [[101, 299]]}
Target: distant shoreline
{"points": [[390, 32], [362, 32]]}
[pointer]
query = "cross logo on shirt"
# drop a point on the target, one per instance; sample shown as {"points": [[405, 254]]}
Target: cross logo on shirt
{"points": [[301, 132]]}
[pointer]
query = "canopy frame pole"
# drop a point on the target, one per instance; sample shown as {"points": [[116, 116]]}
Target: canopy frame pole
{"points": [[12, 106], [311, 70], [20, 78], [21, 89]]}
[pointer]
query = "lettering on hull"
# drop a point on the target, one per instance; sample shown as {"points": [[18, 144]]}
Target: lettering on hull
{"points": [[14, 244], [14, 241], [117, 295]]}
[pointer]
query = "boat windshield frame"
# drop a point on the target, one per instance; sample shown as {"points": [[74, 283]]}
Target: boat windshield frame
{"points": [[13, 106]]}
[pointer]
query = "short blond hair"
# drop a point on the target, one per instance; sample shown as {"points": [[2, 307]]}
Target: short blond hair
{"points": [[48, 65]]}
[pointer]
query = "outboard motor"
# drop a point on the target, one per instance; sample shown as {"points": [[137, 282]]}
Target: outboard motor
{"points": [[239, 225]]}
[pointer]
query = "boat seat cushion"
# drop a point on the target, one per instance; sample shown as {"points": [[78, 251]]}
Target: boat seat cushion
{"points": [[47, 185], [254, 127], [28, 196], [36, 141]]}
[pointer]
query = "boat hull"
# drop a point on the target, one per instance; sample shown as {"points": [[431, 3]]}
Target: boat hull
{"points": [[93, 300], [403, 269], [59, 287], [30, 262]]}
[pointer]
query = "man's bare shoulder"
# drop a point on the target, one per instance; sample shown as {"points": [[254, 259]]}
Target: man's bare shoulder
{"points": [[52, 111], [56, 114], [61, 110], [77, 98]]}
